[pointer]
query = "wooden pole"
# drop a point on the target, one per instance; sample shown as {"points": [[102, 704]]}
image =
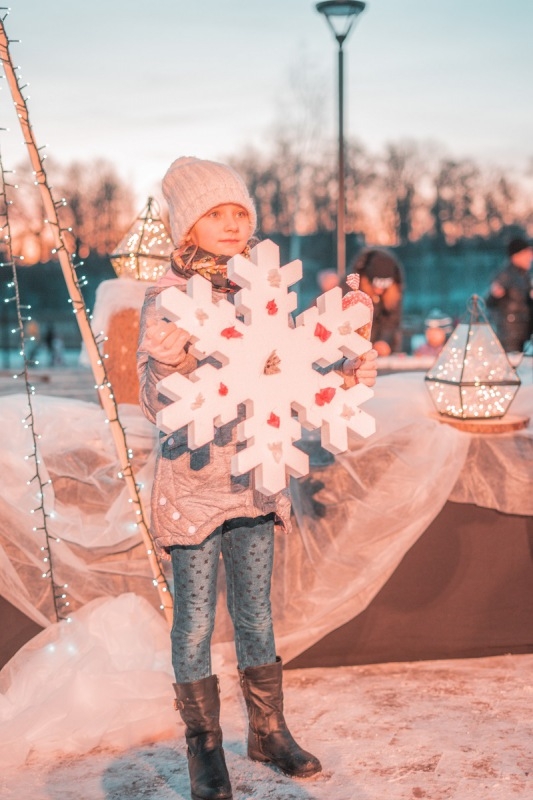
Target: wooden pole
{"points": [[103, 384]]}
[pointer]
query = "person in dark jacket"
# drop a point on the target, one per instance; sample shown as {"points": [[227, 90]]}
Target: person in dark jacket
{"points": [[383, 280], [510, 298]]}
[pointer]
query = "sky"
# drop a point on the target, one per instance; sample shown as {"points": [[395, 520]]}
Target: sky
{"points": [[141, 83]]}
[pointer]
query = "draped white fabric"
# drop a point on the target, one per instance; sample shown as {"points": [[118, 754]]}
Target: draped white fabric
{"points": [[355, 518], [103, 679]]}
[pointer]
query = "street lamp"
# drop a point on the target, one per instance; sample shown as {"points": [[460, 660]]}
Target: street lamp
{"points": [[340, 16]]}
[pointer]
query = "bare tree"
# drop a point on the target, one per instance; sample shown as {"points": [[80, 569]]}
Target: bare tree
{"points": [[361, 178], [99, 206], [457, 187], [400, 174], [499, 197]]}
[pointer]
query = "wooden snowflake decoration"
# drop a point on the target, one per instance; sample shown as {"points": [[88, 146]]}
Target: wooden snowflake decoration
{"points": [[267, 365]]}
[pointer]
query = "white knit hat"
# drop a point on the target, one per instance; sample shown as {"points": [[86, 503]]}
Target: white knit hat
{"points": [[192, 187]]}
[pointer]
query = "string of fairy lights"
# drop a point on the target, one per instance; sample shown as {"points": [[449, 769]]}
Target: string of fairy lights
{"points": [[93, 344], [23, 316]]}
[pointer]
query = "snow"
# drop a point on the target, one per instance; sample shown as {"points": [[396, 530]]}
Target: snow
{"points": [[448, 730]]}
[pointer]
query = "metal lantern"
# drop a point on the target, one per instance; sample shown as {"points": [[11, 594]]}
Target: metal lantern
{"points": [[143, 253], [472, 377]]}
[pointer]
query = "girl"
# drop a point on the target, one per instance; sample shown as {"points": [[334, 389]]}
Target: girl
{"points": [[200, 511]]}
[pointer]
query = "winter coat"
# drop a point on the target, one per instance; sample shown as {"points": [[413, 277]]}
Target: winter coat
{"points": [[513, 313], [193, 491], [387, 320]]}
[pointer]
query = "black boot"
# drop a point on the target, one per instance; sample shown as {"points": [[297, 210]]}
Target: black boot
{"points": [[199, 705], [269, 739]]}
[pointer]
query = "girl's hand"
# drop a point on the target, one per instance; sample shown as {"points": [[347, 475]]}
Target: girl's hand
{"points": [[361, 370], [165, 342]]}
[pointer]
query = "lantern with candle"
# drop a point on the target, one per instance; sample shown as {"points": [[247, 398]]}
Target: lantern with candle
{"points": [[472, 379], [143, 251]]}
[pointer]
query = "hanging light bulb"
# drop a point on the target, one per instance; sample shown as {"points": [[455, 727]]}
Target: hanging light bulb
{"points": [[472, 377], [143, 252]]}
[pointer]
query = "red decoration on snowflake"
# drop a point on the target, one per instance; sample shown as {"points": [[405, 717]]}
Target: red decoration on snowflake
{"points": [[273, 420], [223, 389], [231, 333], [325, 396], [322, 333], [272, 308]]}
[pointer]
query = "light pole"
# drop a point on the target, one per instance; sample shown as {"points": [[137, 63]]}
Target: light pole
{"points": [[340, 16]]}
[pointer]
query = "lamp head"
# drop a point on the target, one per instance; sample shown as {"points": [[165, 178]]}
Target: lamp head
{"points": [[340, 16]]}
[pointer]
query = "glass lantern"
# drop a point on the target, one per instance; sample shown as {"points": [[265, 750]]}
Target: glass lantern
{"points": [[472, 377], [144, 251]]}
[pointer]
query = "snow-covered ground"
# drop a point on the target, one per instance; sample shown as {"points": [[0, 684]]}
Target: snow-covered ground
{"points": [[448, 730]]}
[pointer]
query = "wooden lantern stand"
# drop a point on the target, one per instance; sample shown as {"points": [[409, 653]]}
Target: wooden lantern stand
{"points": [[506, 424]]}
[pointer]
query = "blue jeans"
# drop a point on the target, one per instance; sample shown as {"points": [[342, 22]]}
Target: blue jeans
{"points": [[247, 547]]}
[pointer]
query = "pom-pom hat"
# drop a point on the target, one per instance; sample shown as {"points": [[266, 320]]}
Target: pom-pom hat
{"points": [[438, 319], [192, 187], [380, 267]]}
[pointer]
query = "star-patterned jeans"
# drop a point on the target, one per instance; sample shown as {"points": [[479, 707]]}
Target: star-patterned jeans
{"points": [[247, 547]]}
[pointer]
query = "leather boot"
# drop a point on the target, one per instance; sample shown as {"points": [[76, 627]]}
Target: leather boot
{"points": [[269, 739], [199, 706]]}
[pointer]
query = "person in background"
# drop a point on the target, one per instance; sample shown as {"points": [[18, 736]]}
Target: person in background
{"points": [[49, 342], [437, 328], [55, 347], [32, 334], [510, 297], [58, 351], [383, 280], [327, 279]]}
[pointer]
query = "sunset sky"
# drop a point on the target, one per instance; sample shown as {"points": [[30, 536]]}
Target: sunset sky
{"points": [[141, 83]]}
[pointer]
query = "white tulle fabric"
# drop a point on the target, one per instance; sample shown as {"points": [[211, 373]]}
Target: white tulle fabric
{"points": [[105, 678]]}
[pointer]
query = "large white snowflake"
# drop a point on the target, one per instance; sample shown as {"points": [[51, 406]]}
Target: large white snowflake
{"points": [[268, 365]]}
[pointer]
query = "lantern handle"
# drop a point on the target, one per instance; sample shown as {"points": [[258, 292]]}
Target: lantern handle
{"points": [[477, 308], [151, 209]]}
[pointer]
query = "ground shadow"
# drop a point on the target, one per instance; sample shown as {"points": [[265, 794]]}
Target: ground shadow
{"points": [[159, 772], [154, 772]]}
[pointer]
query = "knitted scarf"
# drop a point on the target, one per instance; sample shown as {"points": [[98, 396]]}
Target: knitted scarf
{"points": [[191, 260]]}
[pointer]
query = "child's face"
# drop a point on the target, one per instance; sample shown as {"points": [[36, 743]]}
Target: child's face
{"points": [[223, 231], [523, 258], [435, 337]]}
